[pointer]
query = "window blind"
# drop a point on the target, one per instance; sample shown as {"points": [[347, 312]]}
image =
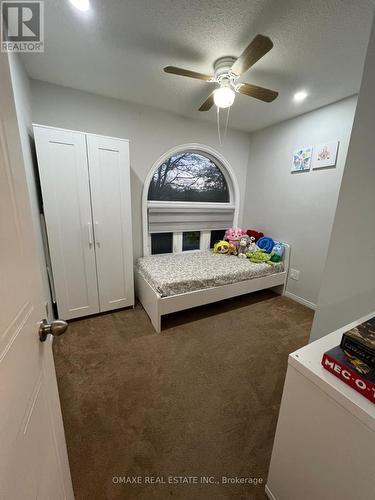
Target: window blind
{"points": [[175, 219]]}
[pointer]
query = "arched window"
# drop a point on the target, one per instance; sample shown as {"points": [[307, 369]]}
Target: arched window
{"points": [[190, 197], [189, 176]]}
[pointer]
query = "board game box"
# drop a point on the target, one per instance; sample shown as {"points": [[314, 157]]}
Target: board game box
{"points": [[351, 370], [360, 342]]}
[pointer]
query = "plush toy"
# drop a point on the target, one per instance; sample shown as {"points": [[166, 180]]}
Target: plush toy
{"points": [[261, 257], [232, 249], [277, 251], [255, 234], [233, 235], [252, 247], [221, 247], [243, 246], [266, 244]]}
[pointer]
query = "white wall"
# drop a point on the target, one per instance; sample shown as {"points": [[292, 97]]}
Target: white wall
{"points": [[151, 133], [298, 208], [21, 90], [348, 287]]}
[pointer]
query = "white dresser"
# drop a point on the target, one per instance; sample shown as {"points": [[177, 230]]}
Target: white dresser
{"points": [[324, 445]]}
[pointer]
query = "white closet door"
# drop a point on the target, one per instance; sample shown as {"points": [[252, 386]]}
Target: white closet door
{"points": [[63, 169], [111, 205]]}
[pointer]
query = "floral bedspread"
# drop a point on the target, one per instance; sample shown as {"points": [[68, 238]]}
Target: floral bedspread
{"points": [[172, 274]]}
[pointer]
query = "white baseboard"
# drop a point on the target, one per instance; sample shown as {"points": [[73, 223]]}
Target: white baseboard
{"points": [[302, 301], [269, 493]]}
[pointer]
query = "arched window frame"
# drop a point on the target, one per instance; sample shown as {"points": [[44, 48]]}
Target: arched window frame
{"points": [[234, 195]]}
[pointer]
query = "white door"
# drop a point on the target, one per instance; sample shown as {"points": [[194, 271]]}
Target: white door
{"points": [[110, 192], [63, 169], [33, 458]]}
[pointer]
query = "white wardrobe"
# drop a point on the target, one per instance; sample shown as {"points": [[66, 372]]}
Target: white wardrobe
{"points": [[85, 182]]}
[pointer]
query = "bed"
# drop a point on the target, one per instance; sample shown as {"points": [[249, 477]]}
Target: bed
{"points": [[174, 282]]}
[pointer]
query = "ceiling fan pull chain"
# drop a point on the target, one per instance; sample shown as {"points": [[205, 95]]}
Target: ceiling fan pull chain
{"points": [[226, 122], [218, 124]]}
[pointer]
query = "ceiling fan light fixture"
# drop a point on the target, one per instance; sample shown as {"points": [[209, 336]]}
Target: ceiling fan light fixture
{"points": [[224, 97]]}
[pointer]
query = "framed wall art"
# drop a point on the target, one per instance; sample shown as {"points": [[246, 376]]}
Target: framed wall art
{"points": [[302, 159], [325, 154]]}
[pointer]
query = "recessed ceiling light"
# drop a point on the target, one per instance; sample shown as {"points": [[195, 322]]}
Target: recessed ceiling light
{"points": [[82, 5], [300, 96]]}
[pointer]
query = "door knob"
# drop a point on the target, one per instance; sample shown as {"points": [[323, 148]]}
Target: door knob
{"points": [[56, 328]]}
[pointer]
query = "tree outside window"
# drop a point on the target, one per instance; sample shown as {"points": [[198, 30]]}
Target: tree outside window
{"points": [[189, 177]]}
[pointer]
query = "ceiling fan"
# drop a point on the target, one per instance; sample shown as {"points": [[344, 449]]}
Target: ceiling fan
{"points": [[227, 70]]}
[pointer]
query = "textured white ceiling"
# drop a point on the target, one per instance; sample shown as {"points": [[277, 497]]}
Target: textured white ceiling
{"points": [[119, 48]]}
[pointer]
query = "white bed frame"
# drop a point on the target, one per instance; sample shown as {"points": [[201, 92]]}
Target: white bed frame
{"points": [[156, 306]]}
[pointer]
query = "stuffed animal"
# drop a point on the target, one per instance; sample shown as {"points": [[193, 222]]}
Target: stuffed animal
{"points": [[252, 247], [233, 235], [232, 249], [243, 246], [277, 251], [261, 257], [255, 234], [266, 244], [221, 247]]}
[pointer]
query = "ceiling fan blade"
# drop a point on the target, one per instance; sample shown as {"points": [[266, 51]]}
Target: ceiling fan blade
{"points": [[186, 72], [208, 103], [253, 52], [260, 93]]}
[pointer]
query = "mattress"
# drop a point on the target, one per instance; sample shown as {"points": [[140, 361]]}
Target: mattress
{"points": [[173, 274]]}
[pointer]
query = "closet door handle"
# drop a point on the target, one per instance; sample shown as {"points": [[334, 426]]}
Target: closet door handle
{"points": [[91, 237], [96, 224]]}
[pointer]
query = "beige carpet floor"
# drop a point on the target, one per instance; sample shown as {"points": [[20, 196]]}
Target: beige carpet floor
{"points": [[201, 399]]}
